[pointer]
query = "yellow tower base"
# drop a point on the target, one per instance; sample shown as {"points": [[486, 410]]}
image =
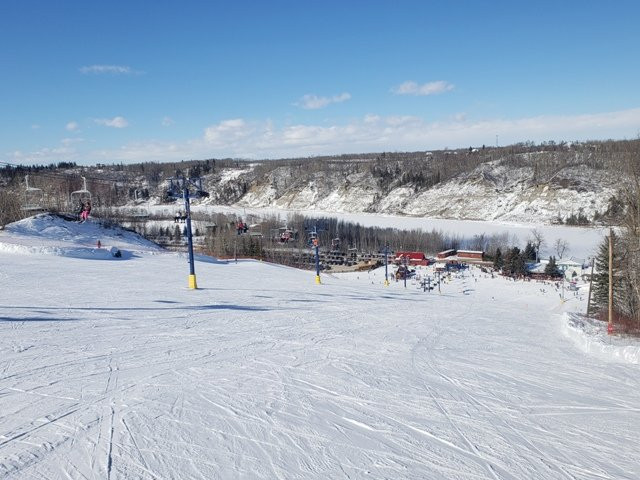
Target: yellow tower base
{"points": [[318, 279], [386, 282], [192, 282]]}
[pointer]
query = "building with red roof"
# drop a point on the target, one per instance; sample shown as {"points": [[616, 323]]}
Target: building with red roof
{"points": [[413, 258]]}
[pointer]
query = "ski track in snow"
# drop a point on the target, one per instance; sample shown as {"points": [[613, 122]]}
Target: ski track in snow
{"points": [[116, 370]]}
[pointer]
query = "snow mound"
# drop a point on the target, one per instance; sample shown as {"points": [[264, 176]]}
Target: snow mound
{"points": [[50, 234], [591, 336]]}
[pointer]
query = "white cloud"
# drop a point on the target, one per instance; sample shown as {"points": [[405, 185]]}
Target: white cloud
{"points": [[372, 133], [35, 126], [401, 120], [71, 141], [167, 121], [108, 70], [431, 88], [227, 132], [115, 122], [404, 133], [63, 152], [72, 126], [313, 102]]}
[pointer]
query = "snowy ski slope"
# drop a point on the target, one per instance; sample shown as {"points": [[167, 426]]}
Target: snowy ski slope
{"points": [[110, 368]]}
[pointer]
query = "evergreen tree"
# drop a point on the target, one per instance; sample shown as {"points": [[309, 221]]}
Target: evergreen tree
{"points": [[551, 268], [600, 280], [621, 289], [519, 263], [498, 261], [514, 263], [530, 252]]}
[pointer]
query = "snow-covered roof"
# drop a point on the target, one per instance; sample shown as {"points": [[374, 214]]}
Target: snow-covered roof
{"points": [[568, 263], [411, 255]]}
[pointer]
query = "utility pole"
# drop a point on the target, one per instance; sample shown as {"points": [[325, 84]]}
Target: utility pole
{"points": [[386, 265], [187, 208], [179, 187], [610, 324], [315, 245], [590, 285], [406, 272]]}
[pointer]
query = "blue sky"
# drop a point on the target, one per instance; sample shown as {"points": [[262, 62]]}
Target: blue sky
{"points": [[129, 81]]}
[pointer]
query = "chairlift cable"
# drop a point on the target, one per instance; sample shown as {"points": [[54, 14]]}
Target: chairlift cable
{"points": [[58, 176]]}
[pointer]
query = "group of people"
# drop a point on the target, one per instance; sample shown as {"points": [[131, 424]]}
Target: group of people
{"points": [[241, 227], [84, 210]]}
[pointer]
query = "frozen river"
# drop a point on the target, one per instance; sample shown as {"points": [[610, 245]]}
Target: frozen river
{"points": [[582, 241]]}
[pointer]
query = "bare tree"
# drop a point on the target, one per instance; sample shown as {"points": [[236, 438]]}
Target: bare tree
{"points": [[560, 246], [630, 195], [537, 240], [9, 208]]}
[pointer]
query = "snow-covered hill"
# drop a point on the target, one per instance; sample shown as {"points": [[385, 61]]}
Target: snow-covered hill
{"points": [[60, 235], [492, 191], [115, 369]]}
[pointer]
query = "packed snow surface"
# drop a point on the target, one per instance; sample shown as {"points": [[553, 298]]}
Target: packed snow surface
{"points": [[116, 370]]}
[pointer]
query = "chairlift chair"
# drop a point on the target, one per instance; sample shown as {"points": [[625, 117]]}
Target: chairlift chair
{"points": [[286, 234], [81, 196], [255, 230], [313, 238], [140, 214], [174, 189], [33, 197]]}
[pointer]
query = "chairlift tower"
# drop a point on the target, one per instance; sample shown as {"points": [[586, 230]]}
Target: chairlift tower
{"points": [[179, 187], [313, 234], [386, 265], [406, 270]]}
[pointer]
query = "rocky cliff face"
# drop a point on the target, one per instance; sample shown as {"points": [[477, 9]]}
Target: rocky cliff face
{"points": [[492, 191]]}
